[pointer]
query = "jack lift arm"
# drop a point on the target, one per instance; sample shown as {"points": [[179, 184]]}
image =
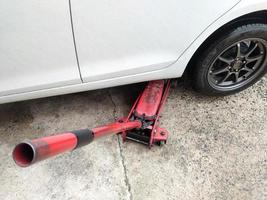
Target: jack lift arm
{"points": [[141, 125]]}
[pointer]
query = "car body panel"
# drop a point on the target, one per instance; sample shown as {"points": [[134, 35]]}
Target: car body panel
{"points": [[174, 70], [125, 37], [36, 46]]}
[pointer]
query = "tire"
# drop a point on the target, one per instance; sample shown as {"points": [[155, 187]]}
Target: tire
{"points": [[229, 64]]}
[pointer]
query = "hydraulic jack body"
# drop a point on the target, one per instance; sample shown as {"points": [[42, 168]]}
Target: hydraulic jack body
{"points": [[141, 125]]}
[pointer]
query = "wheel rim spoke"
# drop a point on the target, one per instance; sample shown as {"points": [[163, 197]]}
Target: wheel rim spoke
{"points": [[225, 78], [255, 58], [257, 65], [216, 72], [238, 54], [251, 51], [236, 76], [226, 60], [247, 69]]}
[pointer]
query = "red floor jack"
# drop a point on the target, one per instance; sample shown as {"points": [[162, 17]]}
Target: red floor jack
{"points": [[141, 125]]}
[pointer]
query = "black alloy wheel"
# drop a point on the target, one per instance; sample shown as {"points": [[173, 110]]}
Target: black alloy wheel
{"points": [[234, 61], [238, 64]]}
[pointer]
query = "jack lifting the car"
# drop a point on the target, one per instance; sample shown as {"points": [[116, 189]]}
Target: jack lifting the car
{"points": [[141, 125]]}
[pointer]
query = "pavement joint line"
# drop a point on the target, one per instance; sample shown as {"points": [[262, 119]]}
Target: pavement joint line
{"points": [[126, 179]]}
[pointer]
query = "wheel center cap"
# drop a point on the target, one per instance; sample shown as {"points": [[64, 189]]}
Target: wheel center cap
{"points": [[237, 64]]}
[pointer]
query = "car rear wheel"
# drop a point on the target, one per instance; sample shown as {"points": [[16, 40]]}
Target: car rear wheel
{"points": [[232, 62]]}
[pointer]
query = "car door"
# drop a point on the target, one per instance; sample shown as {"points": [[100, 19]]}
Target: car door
{"points": [[36, 46], [117, 38]]}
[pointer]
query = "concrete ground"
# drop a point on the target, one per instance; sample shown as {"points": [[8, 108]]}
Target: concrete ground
{"points": [[217, 148]]}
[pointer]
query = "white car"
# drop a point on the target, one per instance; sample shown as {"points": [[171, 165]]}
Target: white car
{"points": [[56, 47]]}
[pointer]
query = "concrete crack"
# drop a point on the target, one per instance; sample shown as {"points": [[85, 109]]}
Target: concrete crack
{"points": [[126, 179], [114, 105]]}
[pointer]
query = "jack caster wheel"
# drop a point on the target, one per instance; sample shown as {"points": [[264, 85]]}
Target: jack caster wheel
{"points": [[161, 143]]}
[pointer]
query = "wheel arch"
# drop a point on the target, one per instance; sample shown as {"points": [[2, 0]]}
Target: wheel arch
{"points": [[253, 17]]}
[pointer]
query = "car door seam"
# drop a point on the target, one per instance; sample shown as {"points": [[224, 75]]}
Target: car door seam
{"points": [[74, 41]]}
